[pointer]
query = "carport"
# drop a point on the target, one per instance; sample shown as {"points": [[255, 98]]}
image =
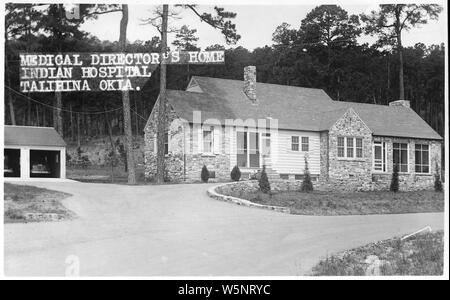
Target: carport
{"points": [[34, 152]]}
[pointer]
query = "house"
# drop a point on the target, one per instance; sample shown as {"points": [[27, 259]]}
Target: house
{"points": [[221, 123], [33, 152]]}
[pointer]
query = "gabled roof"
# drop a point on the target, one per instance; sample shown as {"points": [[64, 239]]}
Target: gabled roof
{"points": [[32, 136], [296, 108]]}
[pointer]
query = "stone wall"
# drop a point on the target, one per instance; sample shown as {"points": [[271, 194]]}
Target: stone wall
{"points": [[410, 180], [357, 173], [350, 173], [183, 165], [324, 156]]}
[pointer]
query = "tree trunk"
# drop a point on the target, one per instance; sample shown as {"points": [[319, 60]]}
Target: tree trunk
{"points": [[126, 102], [57, 122], [10, 98], [398, 31], [162, 101]]}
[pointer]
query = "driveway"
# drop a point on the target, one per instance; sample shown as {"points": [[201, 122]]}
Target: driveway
{"points": [[177, 230]]}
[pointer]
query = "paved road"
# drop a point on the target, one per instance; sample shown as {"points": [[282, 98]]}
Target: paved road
{"points": [[176, 230]]}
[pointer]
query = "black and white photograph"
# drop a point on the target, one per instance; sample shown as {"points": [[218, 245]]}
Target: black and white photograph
{"points": [[224, 140]]}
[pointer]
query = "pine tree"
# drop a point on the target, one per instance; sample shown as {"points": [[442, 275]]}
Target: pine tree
{"points": [[235, 174], [205, 174], [394, 180], [264, 184], [307, 185]]}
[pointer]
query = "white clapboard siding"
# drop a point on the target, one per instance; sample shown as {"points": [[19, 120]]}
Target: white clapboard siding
{"points": [[286, 161]]}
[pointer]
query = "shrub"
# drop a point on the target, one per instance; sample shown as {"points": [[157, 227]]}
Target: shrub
{"points": [[235, 173], [437, 180], [307, 185], [205, 174], [264, 184], [394, 180]]}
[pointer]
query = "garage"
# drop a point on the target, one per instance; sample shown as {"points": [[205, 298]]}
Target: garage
{"points": [[34, 152]]}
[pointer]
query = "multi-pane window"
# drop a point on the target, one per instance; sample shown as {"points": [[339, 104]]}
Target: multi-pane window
{"points": [[305, 143], [400, 153], [341, 147], [295, 143], [166, 143], [359, 147], [422, 155], [349, 147], [208, 140]]}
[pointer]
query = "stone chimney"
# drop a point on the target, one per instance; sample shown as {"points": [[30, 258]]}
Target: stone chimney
{"points": [[404, 103], [250, 83]]}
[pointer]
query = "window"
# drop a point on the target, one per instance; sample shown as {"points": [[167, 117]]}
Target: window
{"points": [[241, 149], [422, 154], [340, 147], [379, 156], [350, 147], [400, 152], [247, 151], [294, 143], [305, 143], [166, 143], [208, 140], [359, 147]]}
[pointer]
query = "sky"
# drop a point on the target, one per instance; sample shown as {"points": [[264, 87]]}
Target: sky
{"points": [[255, 24]]}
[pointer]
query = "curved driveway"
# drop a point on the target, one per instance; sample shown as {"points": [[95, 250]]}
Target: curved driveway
{"points": [[177, 230]]}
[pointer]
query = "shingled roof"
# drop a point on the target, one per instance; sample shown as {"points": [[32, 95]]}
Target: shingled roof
{"points": [[296, 108], [32, 136]]}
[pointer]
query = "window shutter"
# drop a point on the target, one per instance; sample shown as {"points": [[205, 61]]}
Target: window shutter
{"points": [[216, 140]]}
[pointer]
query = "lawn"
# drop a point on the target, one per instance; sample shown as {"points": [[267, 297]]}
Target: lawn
{"points": [[23, 199], [355, 203], [422, 254]]}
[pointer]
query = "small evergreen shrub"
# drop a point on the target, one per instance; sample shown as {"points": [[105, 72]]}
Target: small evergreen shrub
{"points": [[264, 184], [235, 174], [205, 174], [437, 180], [307, 185], [394, 180]]}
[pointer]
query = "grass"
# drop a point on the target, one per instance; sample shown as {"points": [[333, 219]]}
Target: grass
{"points": [[355, 203], [23, 199], [422, 254]]}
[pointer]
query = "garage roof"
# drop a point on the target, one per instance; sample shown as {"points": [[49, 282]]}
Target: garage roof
{"points": [[32, 136]]}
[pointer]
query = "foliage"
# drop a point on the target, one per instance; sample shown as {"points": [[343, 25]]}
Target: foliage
{"points": [[264, 185], [186, 39], [236, 173], [307, 185], [394, 180], [122, 153], [437, 180], [422, 254], [205, 174], [356, 73]]}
